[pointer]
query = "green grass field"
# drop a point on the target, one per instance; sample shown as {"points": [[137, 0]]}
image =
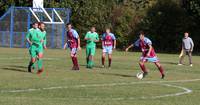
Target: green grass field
{"points": [[99, 86]]}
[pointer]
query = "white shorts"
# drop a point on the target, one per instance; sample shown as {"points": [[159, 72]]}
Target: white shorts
{"points": [[107, 49], [149, 59], [73, 50]]}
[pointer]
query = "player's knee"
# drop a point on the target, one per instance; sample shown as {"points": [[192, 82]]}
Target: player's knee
{"points": [[157, 64], [33, 60], [72, 55], [141, 63], [110, 56], [40, 56]]}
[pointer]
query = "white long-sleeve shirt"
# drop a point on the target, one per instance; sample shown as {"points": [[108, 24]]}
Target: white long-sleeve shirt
{"points": [[187, 43]]}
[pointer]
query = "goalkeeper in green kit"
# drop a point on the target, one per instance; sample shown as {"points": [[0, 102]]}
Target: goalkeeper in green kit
{"points": [[91, 38], [37, 41]]}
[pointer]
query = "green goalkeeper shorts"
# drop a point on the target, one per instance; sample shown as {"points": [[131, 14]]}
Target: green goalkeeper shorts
{"points": [[35, 49], [90, 50]]}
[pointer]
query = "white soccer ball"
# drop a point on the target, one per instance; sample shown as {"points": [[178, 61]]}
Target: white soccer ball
{"points": [[139, 75]]}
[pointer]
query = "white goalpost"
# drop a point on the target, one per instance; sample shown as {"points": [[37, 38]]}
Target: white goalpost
{"points": [[39, 8]]}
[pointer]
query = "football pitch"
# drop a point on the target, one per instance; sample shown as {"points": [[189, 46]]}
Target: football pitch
{"points": [[59, 85]]}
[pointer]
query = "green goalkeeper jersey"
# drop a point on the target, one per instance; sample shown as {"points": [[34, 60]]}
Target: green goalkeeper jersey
{"points": [[36, 36], [43, 37], [92, 36]]}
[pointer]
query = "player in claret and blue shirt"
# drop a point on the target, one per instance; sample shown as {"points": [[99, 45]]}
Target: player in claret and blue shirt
{"points": [[73, 41], [108, 44], [148, 54]]}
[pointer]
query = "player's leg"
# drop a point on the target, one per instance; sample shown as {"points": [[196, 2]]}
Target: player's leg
{"points": [[104, 51], [109, 60], [190, 58], [40, 63], [40, 51], [91, 57], [33, 58], [181, 58], [143, 68], [74, 59], [31, 65], [87, 56], [109, 56], [160, 69]]}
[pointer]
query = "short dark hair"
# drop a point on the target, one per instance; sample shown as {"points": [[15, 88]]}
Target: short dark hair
{"points": [[186, 32], [39, 23], [68, 24], [141, 32], [93, 27], [34, 23]]}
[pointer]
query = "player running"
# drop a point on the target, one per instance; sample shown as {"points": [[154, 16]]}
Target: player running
{"points": [[42, 46], [31, 32], [108, 44], [148, 54], [91, 38], [37, 41], [73, 41]]}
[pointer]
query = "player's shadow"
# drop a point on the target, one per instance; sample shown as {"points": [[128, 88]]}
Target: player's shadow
{"points": [[15, 68], [114, 74], [171, 63], [83, 65]]}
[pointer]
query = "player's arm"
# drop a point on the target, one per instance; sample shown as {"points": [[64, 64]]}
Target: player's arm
{"points": [[86, 37], [79, 43], [130, 46], [115, 43], [75, 34], [192, 45], [65, 45], [45, 42], [102, 41], [150, 49], [97, 38], [28, 38]]}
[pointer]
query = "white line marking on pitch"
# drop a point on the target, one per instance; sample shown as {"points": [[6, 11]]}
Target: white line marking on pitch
{"points": [[186, 90]]}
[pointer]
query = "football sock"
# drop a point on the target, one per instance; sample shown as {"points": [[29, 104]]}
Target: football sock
{"points": [[73, 61], [40, 63], [87, 60], [110, 61], [103, 60], [33, 65], [161, 70], [76, 61], [143, 68]]}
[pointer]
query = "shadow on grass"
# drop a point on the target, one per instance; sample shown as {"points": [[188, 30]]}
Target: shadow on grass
{"points": [[84, 65], [114, 74], [171, 63], [15, 68]]}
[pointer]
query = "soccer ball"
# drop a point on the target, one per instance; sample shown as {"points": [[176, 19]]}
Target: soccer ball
{"points": [[139, 75]]}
